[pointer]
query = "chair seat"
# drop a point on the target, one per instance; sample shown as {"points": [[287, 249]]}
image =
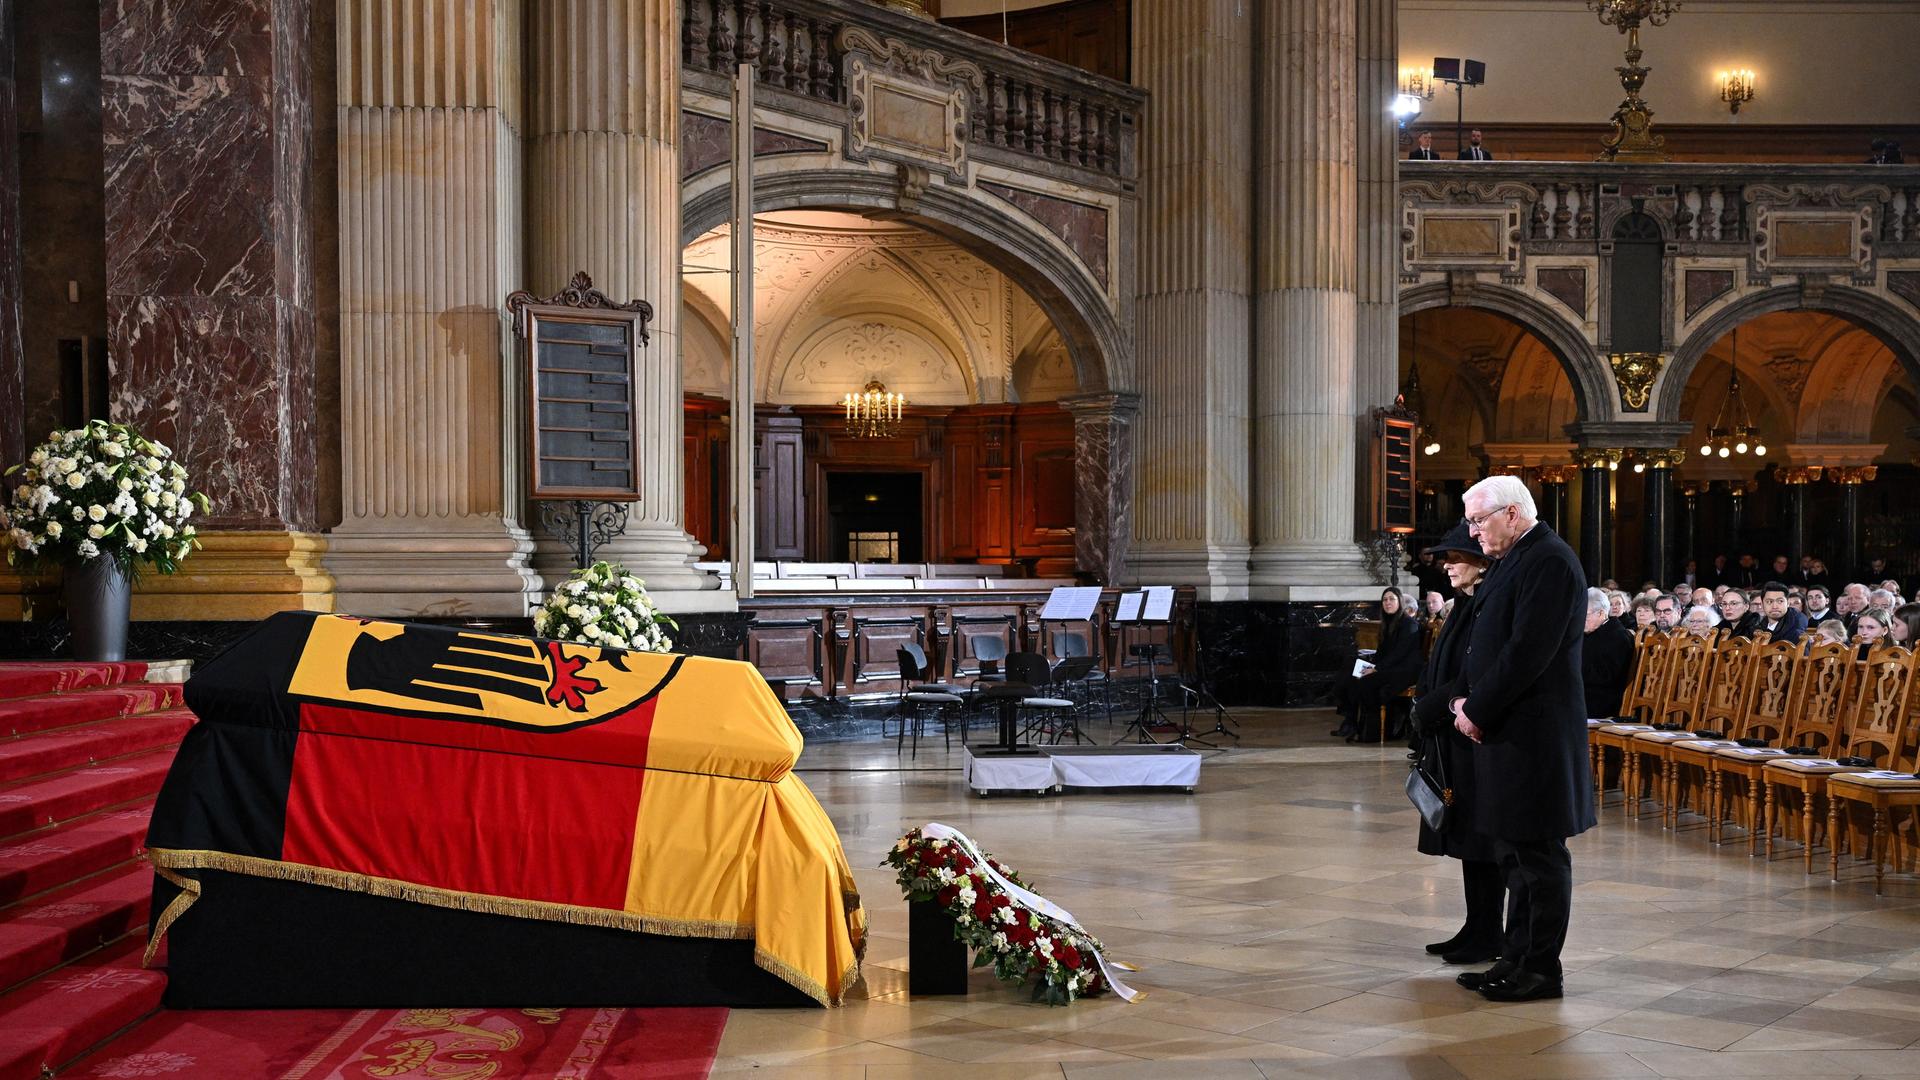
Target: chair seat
{"points": [[1625, 729], [933, 688], [1750, 753], [1704, 744], [1046, 703], [1811, 766], [1883, 780], [1662, 736], [928, 698]]}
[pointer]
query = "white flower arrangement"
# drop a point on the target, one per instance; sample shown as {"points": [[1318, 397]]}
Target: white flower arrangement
{"points": [[101, 491], [604, 605]]}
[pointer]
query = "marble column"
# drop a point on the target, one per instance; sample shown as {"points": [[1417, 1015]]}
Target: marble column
{"points": [[1377, 259], [13, 373], [1689, 527], [1305, 260], [210, 289], [1736, 522], [1553, 503], [603, 195], [1657, 561], [1191, 495], [1596, 514], [430, 205], [1793, 497], [1102, 462], [1849, 477]]}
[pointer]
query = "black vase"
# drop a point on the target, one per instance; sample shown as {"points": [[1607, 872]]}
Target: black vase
{"points": [[99, 605]]}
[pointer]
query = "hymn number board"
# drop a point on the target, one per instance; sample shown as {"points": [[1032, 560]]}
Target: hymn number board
{"points": [[580, 351], [1393, 479]]}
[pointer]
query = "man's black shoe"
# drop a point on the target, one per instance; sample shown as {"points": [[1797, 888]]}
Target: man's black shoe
{"points": [[1521, 986], [1472, 954], [1474, 980], [1440, 947]]}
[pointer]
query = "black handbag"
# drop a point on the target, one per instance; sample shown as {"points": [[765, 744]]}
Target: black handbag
{"points": [[1427, 786]]}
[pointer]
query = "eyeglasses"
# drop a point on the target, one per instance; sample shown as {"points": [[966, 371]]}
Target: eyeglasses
{"points": [[1472, 522]]}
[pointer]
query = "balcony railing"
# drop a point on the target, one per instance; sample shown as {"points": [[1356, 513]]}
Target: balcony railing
{"points": [[1024, 107]]}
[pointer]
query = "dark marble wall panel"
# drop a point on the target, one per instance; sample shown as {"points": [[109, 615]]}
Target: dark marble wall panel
{"points": [[13, 402], [208, 125], [62, 210], [324, 206]]}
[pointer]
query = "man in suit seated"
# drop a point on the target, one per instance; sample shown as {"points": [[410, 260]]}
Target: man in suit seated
{"points": [[1423, 150], [1777, 617], [1606, 658], [1475, 151]]}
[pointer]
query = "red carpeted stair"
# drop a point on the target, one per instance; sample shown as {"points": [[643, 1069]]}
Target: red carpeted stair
{"points": [[83, 749]]}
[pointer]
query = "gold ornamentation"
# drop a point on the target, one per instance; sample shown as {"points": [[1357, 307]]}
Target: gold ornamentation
{"points": [[1853, 474], [544, 1016], [1797, 474], [1635, 373]]}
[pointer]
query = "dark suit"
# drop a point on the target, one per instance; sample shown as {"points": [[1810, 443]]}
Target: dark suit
{"points": [[1423, 155], [1606, 664], [1476, 153], [1792, 625], [1480, 877], [1748, 625], [1534, 782]]}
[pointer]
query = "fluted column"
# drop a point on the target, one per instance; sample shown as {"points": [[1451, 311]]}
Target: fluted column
{"points": [[603, 195], [1376, 148], [1305, 277], [429, 248], [1191, 497]]}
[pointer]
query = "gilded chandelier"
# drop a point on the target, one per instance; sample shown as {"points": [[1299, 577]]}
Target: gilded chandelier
{"points": [[1632, 137], [874, 412]]}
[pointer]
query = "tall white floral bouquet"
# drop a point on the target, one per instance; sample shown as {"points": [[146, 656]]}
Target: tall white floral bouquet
{"points": [[604, 605], [101, 491]]}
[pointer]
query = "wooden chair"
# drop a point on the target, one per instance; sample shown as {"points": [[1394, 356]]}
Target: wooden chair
{"points": [[1722, 722], [1889, 700], [1689, 668], [1764, 724], [1869, 736], [1818, 689], [1643, 695]]}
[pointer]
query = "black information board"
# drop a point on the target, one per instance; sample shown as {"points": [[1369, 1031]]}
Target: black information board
{"points": [[580, 352], [1393, 469]]}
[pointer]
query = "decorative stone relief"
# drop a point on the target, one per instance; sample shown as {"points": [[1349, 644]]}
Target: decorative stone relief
{"points": [[1790, 374], [1634, 373], [1826, 229], [907, 104], [1465, 225]]}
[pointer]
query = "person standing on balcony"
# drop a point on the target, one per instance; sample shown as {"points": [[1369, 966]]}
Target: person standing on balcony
{"points": [[1423, 150], [1475, 149]]}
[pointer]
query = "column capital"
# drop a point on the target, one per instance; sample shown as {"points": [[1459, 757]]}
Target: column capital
{"points": [[1853, 474], [1797, 474], [1600, 458], [1631, 434], [1660, 459], [1834, 455]]}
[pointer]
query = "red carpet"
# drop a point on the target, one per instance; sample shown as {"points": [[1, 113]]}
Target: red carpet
{"points": [[416, 1044]]}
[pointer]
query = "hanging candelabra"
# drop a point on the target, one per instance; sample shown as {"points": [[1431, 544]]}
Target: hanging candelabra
{"points": [[874, 412], [1632, 137], [1733, 431]]}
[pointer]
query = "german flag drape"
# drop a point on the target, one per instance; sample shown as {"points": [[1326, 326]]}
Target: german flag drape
{"points": [[515, 776]]}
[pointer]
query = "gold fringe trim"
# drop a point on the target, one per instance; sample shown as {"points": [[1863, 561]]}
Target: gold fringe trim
{"points": [[167, 861]]}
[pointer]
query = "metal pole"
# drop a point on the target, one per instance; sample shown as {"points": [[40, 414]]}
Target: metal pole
{"points": [[740, 492]]}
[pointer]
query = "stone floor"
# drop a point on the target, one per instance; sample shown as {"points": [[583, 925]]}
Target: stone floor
{"points": [[1278, 915]]}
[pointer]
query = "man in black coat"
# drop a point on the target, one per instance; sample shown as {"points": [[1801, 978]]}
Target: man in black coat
{"points": [[1525, 710], [1606, 659], [1780, 622]]}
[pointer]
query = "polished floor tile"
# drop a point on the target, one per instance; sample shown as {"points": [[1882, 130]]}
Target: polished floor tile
{"points": [[1278, 916]]}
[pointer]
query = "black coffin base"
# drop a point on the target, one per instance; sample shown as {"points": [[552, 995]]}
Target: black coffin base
{"points": [[259, 943]]}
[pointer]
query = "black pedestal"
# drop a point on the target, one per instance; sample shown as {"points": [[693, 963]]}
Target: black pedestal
{"points": [[936, 960]]}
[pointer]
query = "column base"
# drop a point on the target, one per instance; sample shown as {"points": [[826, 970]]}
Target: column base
{"points": [[1216, 571], [661, 556], [1311, 573], [406, 573], [240, 576]]}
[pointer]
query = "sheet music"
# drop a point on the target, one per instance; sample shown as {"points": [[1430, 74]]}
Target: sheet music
{"points": [[1071, 604], [1129, 607], [1159, 606]]}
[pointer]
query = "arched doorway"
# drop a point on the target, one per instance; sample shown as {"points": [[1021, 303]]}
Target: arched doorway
{"points": [[980, 468]]}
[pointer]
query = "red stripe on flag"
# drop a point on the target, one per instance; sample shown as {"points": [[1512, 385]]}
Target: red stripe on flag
{"points": [[484, 821]]}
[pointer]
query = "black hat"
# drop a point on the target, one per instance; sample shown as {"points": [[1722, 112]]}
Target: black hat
{"points": [[1460, 540]]}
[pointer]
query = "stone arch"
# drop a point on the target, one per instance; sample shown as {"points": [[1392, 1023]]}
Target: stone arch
{"points": [[1100, 345], [1586, 371], [1874, 314]]}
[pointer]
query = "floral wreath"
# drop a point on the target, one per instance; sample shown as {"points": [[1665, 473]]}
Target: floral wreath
{"points": [[996, 914]]}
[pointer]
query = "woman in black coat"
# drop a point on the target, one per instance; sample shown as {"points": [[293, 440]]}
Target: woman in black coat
{"points": [[1396, 664], [1445, 751]]}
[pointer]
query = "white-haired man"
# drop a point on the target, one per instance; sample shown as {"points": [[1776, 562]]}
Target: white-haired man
{"points": [[1525, 710]]}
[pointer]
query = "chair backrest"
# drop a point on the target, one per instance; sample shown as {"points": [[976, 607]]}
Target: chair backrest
{"points": [[1820, 682], [1723, 707], [1071, 643], [1029, 668], [913, 662], [1769, 698], [1649, 674], [988, 646], [1879, 710], [1689, 666]]}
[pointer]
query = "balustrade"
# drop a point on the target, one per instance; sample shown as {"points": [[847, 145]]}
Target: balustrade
{"points": [[1026, 105]]}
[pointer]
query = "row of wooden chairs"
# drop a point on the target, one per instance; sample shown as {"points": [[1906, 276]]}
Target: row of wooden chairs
{"points": [[1748, 731]]}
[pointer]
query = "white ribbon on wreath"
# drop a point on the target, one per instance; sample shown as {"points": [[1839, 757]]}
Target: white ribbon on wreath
{"points": [[1035, 902]]}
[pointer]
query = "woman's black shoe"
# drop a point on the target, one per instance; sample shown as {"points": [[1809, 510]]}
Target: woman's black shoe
{"points": [[1341, 732], [1472, 954], [1440, 948]]}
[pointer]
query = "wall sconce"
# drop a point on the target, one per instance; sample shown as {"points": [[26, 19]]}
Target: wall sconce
{"points": [[1414, 83], [1736, 88]]}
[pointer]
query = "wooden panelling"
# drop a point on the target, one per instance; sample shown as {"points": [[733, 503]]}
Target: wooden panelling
{"points": [[779, 477], [1043, 478], [1092, 35], [1784, 143], [703, 444]]}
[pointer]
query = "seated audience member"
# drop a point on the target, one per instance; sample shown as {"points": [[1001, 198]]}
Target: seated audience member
{"points": [[1707, 598], [1822, 575], [1643, 612], [1883, 598], [1699, 621], [1691, 575], [1797, 602], [1666, 612], [1606, 658], [1850, 603], [1905, 628], [1747, 574], [1870, 629], [1779, 568], [1716, 574], [1819, 609], [1741, 620], [1830, 632], [1778, 620], [1436, 606], [1396, 664]]}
